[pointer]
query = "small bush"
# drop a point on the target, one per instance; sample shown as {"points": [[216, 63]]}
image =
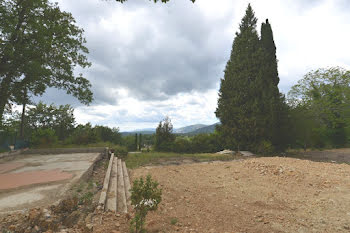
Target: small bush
{"points": [[120, 151], [43, 137], [265, 148], [145, 197]]}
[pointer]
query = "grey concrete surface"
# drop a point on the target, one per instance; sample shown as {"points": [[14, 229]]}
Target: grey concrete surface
{"points": [[25, 197]]}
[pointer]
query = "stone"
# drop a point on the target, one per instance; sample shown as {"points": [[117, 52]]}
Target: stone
{"points": [[70, 220], [37, 228], [89, 227], [34, 215]]}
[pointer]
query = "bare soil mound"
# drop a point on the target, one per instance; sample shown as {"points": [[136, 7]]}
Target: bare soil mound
{"points": [[254, 195]]}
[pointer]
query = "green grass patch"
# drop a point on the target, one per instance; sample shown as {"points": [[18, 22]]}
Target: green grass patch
{"points": [[141, 159], [3, 150]]}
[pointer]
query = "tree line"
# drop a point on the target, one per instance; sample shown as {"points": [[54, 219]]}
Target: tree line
{"points": [[50, 125]]}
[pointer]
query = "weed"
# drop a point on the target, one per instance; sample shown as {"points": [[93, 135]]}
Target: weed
{"points": [[86, 198], [173, 221], [145, 197]]}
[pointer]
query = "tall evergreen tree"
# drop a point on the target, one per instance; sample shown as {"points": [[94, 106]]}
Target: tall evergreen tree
{"points": [[164, 135], [273, 108], [269, 46], [240, 94], [136, 143]]}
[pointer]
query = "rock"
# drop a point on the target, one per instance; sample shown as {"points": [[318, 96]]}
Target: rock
{"points": [[226, 152], [34, 215], [117, 224], [37, 229], [246, 153], [89, 227], [88, 218], [115, 231], [71, 219], [12, 228]]}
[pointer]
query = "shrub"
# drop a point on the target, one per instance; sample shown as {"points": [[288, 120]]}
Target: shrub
{"points": [[182, 145], [83, 134], [120, 151], [145, 197], [43, 137], [265, 148]]}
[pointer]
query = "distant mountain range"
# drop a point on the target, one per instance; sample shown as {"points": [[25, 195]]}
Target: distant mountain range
{"points": [[205, 129], [187, 130]]}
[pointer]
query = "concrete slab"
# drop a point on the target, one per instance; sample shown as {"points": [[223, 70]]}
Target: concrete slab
{"points": [[39, 180], [6, 167]]}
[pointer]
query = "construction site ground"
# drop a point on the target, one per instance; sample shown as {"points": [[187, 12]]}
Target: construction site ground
{"points": [[268, 194], [272, 194], [29, 181]]}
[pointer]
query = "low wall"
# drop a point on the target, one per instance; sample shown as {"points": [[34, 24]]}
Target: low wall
{"points": [[65, 150], [103, 150], [12, 153]]}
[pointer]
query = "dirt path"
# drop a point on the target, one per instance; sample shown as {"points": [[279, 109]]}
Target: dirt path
{"points": [[254, 195], [334, 155]]}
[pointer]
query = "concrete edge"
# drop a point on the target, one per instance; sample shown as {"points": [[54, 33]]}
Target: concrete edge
{"points": [[121, 185], [12, 153], [103, 195], [64, 150], [85, 176], [127, 184]]}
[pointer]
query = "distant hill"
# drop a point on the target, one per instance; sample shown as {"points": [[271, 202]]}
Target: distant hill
{"points": [[137, 132], [205, 129], [188, 129]]}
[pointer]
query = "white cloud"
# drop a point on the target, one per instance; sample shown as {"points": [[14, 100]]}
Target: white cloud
{"points": [[151, 60], [183, 109]]}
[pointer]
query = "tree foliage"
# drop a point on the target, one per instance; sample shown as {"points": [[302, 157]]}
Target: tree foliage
{"points": [[322, 98], [273, 106], [40, 46], [164, 135], [59, 119], [239, 95], [250, 106]]}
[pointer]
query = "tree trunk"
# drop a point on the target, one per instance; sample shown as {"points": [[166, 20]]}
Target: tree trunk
{"points": [[4, 94], [22, 120]]}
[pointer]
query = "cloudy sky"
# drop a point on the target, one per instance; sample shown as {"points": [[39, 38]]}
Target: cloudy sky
{"points": [[152, 60]]}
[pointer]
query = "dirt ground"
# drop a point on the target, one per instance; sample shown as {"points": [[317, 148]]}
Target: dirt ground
{"points": [[333, 155], [255, 195]]}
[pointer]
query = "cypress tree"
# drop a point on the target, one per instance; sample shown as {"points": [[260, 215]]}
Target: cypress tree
{"points": [[269, 47], [140, 142], [273, 107], [135, 143], [240, 95]]}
